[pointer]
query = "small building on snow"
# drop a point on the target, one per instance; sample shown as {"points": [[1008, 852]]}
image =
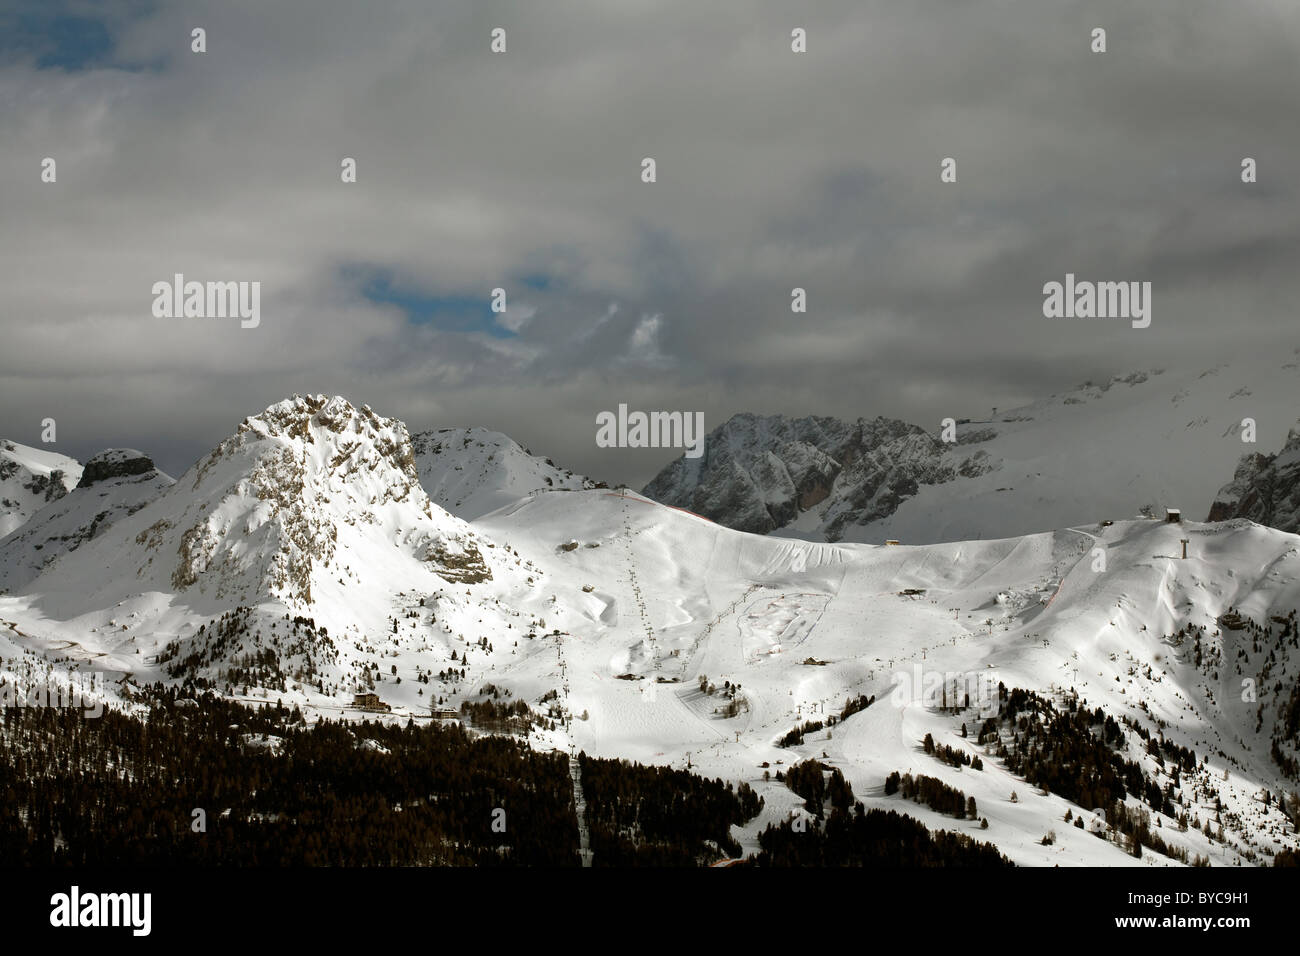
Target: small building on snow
{"points": [[369, 700]]}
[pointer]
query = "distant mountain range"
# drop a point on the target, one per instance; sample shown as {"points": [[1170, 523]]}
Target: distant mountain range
{"points": [[303, 561], [1265, 488], [1135, 444]]}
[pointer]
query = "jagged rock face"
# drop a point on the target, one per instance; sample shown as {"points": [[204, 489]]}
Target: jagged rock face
{"points": [[45, 488], [29, 480], [313, 466], [1264, 488], [760, 473], [311, 496], [115, 463], [113, 486]]}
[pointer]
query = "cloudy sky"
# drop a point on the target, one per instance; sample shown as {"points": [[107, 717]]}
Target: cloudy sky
{"points": [[522, 170]]}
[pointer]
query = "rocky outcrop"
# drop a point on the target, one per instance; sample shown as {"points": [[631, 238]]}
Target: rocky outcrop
{"points": [[31, 478], [113, 486], [115, 463], [1264, 488], [761, 473], [301, 476]]}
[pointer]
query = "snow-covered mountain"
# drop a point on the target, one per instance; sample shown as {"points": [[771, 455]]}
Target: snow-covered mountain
{"points": [[473, 471], [114, 484], [797, 628], [1264, 488], [759, 474], [1148, 440], [29, 480], [279, 510], [302, 560], [311, 508]]}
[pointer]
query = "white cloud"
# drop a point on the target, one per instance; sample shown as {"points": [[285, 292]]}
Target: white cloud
{"points": [[776, 170]]}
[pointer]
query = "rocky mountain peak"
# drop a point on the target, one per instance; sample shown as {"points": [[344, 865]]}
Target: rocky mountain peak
{"points": [[1264, 488], [320, 421], [115, 463], [313, 470], [760, 473]]}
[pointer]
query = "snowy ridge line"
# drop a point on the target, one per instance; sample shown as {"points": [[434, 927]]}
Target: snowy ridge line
{"points": [[517, 506], [1172, 435], [651, 501], [473, 472], [291, 527]]}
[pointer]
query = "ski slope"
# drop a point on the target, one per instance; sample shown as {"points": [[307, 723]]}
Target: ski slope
{"points": [[655, 635]]}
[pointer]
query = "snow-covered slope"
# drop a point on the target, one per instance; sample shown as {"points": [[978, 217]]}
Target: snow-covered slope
{"points": [[802, 626], [473, 471], [29, 480], [115, 483], [1265, 488], [313, 509], [1154, 439], [293, 563]]}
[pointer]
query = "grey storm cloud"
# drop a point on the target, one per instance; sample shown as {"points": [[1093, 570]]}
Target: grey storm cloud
{"points": [[522, 170]]}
